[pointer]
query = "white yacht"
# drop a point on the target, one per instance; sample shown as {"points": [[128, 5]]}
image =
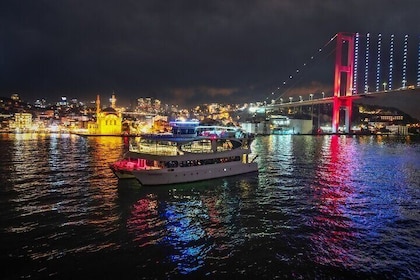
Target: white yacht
{"points": [[168, 161]]}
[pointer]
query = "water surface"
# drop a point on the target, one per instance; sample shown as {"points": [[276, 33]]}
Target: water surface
{"points": [[325, 207]]}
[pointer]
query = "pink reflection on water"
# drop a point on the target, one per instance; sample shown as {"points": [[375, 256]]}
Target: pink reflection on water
{"points": [[143, 220], [333, 238]]}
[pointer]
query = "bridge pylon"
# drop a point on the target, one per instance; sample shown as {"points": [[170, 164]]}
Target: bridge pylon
{"points": [[343, 80]]}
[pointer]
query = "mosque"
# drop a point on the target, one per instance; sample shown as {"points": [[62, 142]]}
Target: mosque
{"points": [[108, 120]]}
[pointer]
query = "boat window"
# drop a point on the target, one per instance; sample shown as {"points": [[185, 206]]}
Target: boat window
{"points": [[171, 164], [188, 163]]}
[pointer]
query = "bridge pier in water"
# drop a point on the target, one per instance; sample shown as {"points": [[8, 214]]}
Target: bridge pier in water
{"points": [[343, 80]]}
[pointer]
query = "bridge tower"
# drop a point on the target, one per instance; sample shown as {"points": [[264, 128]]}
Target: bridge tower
{"points": [[343, 80]]}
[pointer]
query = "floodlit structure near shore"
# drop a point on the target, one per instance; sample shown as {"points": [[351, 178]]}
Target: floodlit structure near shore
{"points": [[278, 124], [108, 120], [22, 122]]}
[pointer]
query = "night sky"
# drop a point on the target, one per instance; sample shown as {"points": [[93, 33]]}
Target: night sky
{"points": [[187, 51]]}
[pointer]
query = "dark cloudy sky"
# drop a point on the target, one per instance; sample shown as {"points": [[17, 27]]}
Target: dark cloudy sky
{"points": [[182, 51]]}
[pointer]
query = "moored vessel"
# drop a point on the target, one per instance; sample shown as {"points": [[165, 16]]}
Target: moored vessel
{"points": [[168, 161]]}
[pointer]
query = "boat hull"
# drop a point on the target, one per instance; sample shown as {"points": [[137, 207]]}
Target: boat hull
{"points": [[124, 174], [191, 174]]}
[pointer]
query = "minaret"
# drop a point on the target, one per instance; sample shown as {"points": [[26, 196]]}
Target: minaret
{"points": [[113, 100], [98, 105]]}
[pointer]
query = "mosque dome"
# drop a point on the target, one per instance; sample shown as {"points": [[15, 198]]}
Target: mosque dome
{"points": [[109, 110]]}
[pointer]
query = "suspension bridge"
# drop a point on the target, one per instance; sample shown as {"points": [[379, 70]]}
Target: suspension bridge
{"points": [[352, 81]]}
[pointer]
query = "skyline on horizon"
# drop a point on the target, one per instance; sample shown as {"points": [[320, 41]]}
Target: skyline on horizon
{"points": [[191, 52]]}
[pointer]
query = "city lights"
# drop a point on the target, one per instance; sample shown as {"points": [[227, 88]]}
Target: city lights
{"points": [[149, 116]]}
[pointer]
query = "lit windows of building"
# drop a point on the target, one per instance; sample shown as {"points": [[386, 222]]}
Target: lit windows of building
{"points": [[62, 102], [157, 105], [23, 121], [15, 97], [391, 118], [40, 103], [148, 105]]}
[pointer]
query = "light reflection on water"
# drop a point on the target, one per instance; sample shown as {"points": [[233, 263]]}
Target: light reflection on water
{"points": [[320, 207], [57, 191]]}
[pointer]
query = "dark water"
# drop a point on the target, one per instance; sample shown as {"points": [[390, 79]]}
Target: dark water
{"points": [[329, 207]]}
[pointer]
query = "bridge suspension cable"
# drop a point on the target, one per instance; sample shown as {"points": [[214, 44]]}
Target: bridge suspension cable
{"points": [[297, 76], [418, 65]]}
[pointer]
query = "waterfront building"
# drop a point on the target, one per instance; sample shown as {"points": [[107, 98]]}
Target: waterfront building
{"points": [[22, 122], [278, 124], [261, 128], [397, 129], [108, 120]]}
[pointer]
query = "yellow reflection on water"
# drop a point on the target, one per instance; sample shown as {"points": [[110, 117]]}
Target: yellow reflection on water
{"points": [[62, 186]]}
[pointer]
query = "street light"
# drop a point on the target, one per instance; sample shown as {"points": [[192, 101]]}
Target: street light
{"points": [[290, 99], [384, 84], [311, 96]]}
